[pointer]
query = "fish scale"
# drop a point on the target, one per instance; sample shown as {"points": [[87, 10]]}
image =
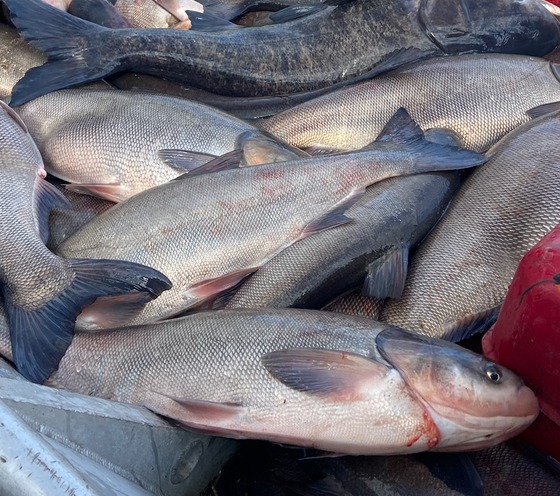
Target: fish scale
{"points": [[480, 97], [466, 264]]}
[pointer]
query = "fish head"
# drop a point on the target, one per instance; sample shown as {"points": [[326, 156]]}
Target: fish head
{"points": [[474, 402], [521, 27]]}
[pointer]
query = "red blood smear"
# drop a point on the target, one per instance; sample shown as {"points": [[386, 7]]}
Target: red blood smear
{"points": [[526, 336]]}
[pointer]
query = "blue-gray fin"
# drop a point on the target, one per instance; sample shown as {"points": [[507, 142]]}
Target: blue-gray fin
{"points": [[545, 109], [333, 217], [261, 148], [470, 325], [184, 160], [401, 128], [445, 137], [386, 276], [230, 160], [47, 198], [208, 23], [40, 337], [331, 374], [456, 470], [209, 409], [62, 37], [296, 12]]}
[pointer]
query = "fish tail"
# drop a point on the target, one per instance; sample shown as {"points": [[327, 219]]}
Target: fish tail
{"points": [[65, 39], [41, 336]]}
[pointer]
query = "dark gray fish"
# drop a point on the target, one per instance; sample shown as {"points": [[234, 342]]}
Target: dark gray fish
{"points": [[390, 219], [100, 12], [283, 58]]}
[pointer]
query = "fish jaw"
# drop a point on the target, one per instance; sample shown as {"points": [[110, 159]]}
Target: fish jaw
{"points": [[474, 402]]}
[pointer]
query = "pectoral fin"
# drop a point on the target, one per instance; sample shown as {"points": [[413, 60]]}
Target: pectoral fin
{"points": [[387, 275], [335, 375]]}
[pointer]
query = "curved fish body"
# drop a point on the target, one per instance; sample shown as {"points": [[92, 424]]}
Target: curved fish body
{"points": [[357, 303], [480, 97], [278, 59], [17, 57], [115, 144], [392, 217], [364, 387], [460, 274], [209, 232], [42, 292]]}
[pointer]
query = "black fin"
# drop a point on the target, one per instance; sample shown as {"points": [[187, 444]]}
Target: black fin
{"points": [[471, 325], [184, 160], [101, 12], [387, 275], [230, 160], [64, 38], [296, 12], [335, 216], [209, 23], [456, 470], [545, 109], [47, 198], [328, 373], [40, 337]]}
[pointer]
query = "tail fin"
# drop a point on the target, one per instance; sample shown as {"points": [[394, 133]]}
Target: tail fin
{"points": [[41, 336], [64, 38]]}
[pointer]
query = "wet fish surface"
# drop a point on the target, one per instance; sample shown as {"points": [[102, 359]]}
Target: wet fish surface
{"points": [[390, 219], [261, 388], [209, 232], [356, 303], [480, 97], [247, 62], [114, 144], [42, 292], [460, 274]]}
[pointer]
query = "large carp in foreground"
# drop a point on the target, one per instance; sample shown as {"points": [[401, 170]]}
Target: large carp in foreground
{"points": [[342, 43]]}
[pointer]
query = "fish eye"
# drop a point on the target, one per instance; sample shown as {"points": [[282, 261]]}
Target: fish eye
{"points": [[493, 373]]}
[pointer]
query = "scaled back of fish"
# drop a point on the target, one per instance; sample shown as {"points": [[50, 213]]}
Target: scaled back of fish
{"points": [[460, 274], [480, 97], [252, 61]]}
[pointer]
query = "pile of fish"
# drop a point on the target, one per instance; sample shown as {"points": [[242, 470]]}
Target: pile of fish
{"points": [[195, 194]]}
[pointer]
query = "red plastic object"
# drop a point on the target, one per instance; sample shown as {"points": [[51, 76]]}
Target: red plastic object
{"points": [[526, 336]]}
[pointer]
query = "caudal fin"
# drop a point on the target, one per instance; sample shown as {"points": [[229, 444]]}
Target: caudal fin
{"points": [[64, 38], [41, 336]]}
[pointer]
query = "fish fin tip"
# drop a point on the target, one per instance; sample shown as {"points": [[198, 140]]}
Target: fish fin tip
{"points": [[401, 128], [295, 12], [334, 217], [470, 325], [208, 22], [545, 109], [446, 137], [184, 160], [259, 148], [111, 192], [329, 373], [213, 287], [48, 198], [227, 161], [386, 276]]}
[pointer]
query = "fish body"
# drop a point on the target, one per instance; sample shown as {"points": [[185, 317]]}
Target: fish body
{"points": [[356, 303], [100, 12], [460, 274], [111, 143], [229, 373], [42, 292], [209, 232], [151, 14], [480, 97], [392, 217], [248, 62]]}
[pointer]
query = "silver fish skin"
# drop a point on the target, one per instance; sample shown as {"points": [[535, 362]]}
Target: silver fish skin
{"points": [[480, 97], [63, 222], [358, 304], [461, 273], [237, 374], [112, 143], [284, 58], [42, 292], [158, 14], [391, 218], [208, 232]]}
